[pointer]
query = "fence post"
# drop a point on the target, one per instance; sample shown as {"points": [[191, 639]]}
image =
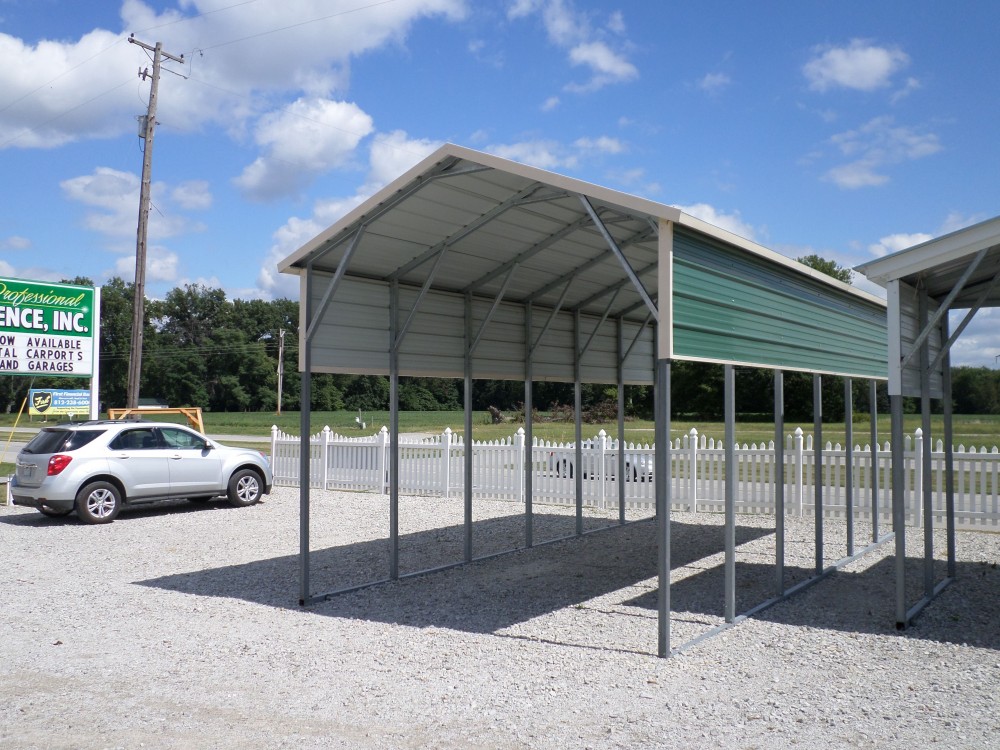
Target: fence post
{"points": [[916, 498], [383, 449], [693, 469], [519, 464], [799, 461], [602, 457], [446, 466], [325, 455], [274, 443]]}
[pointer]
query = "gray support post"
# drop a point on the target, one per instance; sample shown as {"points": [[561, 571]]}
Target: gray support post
{"points": [[849, 462], [662, 468], [577, 410], [926, 473], [873, 447], [779, 482], [949, 460], [898, 506], [529, 407], [620, 474], [467, 452], [305, 403], [818, 468], [729, 408], [393, 432]]}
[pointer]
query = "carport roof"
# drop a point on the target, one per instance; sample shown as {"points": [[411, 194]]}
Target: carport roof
{"points": [[939, 265], [490, 215]]}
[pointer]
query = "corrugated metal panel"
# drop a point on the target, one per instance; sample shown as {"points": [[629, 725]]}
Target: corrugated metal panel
{"points": [[354, 334], [732, 307], [909, 329]]}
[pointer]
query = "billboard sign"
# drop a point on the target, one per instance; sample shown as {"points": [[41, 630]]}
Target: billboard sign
{"points": [[53, 401], [47, 329]]}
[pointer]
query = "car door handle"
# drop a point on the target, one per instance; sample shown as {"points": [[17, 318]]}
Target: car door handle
{"points": [[177, 457]]}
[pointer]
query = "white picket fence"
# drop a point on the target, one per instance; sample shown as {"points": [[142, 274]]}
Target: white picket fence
{"points": [[436, 465]]}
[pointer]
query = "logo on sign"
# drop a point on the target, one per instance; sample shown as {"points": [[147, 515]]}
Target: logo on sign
{"points": [[41, 400]]}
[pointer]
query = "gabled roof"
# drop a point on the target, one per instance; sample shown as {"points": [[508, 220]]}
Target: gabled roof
{"points": [[938, 266], [491, 214]]}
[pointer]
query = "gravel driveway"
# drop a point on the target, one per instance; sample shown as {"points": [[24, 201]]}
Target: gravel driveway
{"points": [[178, 626]]}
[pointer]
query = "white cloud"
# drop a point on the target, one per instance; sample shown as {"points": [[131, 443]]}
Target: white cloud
{"points": [[731, 222], [307, 138], [389, 156], [193, 195], [860, 66], [602, 144], [893, 243], [15, 243], [550, 104], [911, 85], [115, 197], [112, 198], [238, 60], [608, 66], [586, 45], [713, 83], [161, 266], [545, 154], [878, 144], [393, 154]]}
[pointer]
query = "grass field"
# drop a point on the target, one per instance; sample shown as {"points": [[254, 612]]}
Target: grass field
{"points": [[968, 429]]}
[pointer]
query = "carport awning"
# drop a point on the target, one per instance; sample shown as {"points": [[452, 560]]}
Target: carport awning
{"points": [[541, 265], [959, 271]]}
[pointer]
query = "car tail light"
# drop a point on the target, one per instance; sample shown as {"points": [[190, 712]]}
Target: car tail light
{"points": [[57, 463]]}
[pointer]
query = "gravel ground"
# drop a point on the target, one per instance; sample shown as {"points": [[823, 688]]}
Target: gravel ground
{"points": [[178, 626]]}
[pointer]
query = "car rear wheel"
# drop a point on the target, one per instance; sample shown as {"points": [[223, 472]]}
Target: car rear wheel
{"points": [[245, 488], [46, 510], [98, 502]]}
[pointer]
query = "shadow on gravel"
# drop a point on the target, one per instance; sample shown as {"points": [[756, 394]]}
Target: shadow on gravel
{"points": [[493, 594], [483, 597], [855, 601], [142, 510]]}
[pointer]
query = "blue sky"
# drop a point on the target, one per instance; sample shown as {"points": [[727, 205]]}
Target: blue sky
{"points": [[843, 129]]}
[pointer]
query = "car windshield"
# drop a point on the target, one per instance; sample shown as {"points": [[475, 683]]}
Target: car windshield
{"points": [[55, 440]]}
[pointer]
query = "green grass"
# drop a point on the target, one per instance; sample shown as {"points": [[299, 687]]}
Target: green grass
{"points": [[979, 430]]}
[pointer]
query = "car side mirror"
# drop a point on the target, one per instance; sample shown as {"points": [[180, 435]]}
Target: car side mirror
{"points": [[207, 446]]}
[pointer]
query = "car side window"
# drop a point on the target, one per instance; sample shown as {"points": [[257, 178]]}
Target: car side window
{"points": [[135, 440], [175, 437]]}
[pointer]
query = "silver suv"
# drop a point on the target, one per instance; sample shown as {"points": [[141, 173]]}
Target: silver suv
{"points": [[95, 467]]}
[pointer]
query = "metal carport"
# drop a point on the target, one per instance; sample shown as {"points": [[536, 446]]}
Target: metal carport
{"points": [[924, 283], [470, 265]]}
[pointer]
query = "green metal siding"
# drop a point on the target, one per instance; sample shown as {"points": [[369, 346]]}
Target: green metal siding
{"points": [[730, 306]]}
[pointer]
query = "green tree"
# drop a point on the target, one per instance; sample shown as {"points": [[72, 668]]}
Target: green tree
{"points": [[829, 267]]}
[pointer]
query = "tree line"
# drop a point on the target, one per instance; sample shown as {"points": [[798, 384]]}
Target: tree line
{"points": [[202, 349]]}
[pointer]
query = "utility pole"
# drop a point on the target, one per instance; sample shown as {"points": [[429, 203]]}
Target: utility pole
{"points": [[281, 365], [146, 133]]}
